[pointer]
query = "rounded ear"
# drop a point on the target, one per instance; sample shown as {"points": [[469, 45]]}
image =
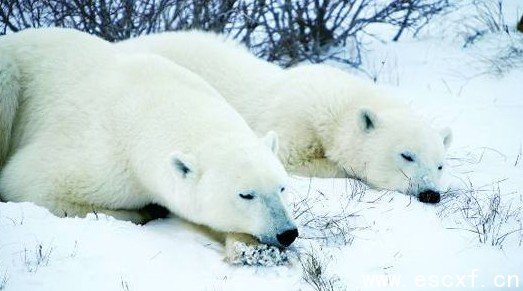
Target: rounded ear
{"points": [[184, 164], [367, 120], [271, 141], [446, 134]]}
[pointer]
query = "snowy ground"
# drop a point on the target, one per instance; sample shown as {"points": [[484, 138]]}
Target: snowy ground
{"points": [[362, 239]]}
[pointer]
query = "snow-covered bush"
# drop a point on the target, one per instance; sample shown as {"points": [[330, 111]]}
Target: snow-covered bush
{"points": [[286, 32], [119, 19], [306, 30]]}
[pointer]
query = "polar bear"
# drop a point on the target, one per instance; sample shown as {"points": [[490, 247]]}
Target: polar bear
{"points": [[330, 123], [89, 129]]}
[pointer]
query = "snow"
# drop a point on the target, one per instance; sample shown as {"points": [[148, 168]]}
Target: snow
{"points": [[375, 234]]}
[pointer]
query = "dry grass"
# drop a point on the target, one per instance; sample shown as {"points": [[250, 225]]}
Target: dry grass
{"points": [[314, 272], [320, 223], [34, 259], [326, 225], [124, 284], [482, 211], [489, 18], [489, 23], [508, 57], [3, 281], [493, 214]]}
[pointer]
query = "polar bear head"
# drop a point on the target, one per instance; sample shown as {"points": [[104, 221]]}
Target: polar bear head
{"points": [[393, 149], [368, 134], [236, 187]]}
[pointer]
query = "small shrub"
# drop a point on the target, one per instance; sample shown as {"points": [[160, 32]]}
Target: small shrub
{"points": [[286, 32]]}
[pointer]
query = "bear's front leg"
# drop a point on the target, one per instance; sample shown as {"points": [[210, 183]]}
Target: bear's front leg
{"points": [[62, 208], [231, 239], [244, 249]]}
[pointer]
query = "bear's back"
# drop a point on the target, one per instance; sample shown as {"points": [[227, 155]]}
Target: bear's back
{"points": [[80, 87], [226, 64]]}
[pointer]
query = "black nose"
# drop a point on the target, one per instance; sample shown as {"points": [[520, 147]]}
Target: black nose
{"points": [[287, 237], [429, 196]]}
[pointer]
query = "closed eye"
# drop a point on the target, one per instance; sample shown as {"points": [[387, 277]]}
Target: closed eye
{"points": [[247, 196], [407, 157]]}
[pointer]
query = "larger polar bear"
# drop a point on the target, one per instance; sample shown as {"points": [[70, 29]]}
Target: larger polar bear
{"points": [[330, 124], [85, 128]]}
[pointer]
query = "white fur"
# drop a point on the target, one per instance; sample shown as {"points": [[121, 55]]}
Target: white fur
{"points": [[316, 111], [9, 89], [99, 130]]}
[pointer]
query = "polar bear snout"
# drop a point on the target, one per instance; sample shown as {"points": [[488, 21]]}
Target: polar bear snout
{"points": [[287, 237], [429, 196], [282, 236]]}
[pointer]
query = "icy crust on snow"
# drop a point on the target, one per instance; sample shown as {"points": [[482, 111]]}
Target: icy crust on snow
{"points": [[258, 255]]}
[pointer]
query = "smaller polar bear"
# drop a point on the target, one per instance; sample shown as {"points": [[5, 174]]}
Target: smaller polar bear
{"points": [[330, 123], [90, 129]]}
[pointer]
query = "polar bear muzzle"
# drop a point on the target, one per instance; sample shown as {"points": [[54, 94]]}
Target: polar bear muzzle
{"points": [[280, 229]]}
